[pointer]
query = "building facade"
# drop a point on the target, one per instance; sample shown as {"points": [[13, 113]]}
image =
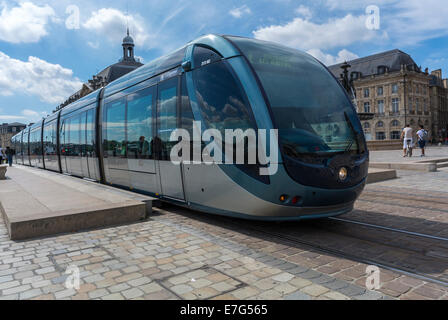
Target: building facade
{"points": [[392, 87], [7, 131]]}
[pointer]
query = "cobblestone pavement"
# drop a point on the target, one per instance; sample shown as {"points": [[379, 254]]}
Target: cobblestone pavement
{"points": [[179, 254]]}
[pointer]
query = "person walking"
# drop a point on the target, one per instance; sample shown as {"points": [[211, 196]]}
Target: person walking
{"points": [[1, 155], [422, 135], [408, 142], [9, 153]]}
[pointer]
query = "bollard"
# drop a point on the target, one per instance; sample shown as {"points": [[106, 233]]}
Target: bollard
{"points": [[3, 168]]}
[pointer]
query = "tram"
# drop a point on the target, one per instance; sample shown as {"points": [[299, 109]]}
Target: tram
{"points": [[120, 135]]}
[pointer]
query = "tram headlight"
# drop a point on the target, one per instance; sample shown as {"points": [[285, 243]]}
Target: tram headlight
{"points": [[343, 173]]}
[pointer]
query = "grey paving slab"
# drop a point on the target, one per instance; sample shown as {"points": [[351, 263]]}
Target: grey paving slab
{"points": [[37, 202]]}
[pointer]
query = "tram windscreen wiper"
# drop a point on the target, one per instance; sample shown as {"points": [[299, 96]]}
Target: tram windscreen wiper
{"points": [[352, 140]]}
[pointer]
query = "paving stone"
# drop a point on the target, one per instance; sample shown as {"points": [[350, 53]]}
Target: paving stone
{"points": [[18, 289], [181, 289], [315, 290], [336, 284], [298, 295], [352, 290], [369, 295], [30, 294], [310, 274], [333, 295], [298, 270], [65, 293], [98, 293], [283, 277], [113, 296], [132, 293]]}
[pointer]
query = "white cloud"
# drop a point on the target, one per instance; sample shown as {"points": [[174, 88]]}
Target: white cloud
{"points": [[239, 12], [50, 82], [111, 23], [94, 45], [305, 12], [305, 35], [26, 116], [24, 24], [328, 59]]}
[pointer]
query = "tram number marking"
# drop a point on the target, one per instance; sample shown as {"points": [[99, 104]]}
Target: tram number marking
{"points": [[203, 63]]}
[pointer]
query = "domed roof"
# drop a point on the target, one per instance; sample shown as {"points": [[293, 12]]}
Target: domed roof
{"points": [[128, 39]]}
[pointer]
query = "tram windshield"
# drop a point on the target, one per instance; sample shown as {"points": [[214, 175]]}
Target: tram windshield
{"points": [[310, 109]]}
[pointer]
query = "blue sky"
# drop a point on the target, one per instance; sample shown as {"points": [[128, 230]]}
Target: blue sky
{"points": [[46, 52]]}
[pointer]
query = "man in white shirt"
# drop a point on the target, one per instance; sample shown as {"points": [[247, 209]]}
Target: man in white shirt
{"points": [[407, 136], [422, 134]]}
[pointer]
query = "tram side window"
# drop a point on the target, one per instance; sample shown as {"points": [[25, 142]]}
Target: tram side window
{"points": [[186, 114], [166, 119], [74, 137], [50, 139], [90, 134], [35, 142], [82, 134], [63, 137], [115, 135], [221, 99], [139, 124]]}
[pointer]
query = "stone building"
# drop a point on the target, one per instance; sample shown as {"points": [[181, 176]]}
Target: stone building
{"points": [[7, 131], [125, 65], [392, 87]]}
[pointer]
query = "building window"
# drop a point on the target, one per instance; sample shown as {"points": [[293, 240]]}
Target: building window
{"points": [[366, 93], [395, 135], [411, 106], [380, 124], [366, 125], [380, 136], [395, 105], [367, 107], [417, 105], [380, 91], [395, 123], [395, 88], [381, 106], [425, 106], [417, 89]]}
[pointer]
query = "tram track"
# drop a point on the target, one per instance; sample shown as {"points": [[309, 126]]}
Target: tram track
{"points": [[353, 257], [364, 224], [345, 243]]}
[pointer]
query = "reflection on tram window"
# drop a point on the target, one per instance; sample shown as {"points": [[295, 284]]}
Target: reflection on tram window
{"points": [[221, 98], [311, 110], [115, 135], [167, 118], [73, 146], [50, 139], [186, 114], [90, 134], [139, 124]]}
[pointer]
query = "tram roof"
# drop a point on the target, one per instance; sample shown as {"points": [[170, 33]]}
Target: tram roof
{"points": [[168, 62]]}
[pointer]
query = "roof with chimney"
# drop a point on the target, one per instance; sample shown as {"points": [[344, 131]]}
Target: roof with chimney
{"points": [[392, 60]]}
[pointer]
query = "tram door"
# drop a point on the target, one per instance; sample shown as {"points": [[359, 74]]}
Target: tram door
{"points": [[167, 115]]}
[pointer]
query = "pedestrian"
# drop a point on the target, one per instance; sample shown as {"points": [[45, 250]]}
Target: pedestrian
{"points": [[9, 153], [406, 135], [1, 155], [422, 136]]}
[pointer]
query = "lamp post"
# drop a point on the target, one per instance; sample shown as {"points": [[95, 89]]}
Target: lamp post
{"points": [[350, 88]]}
